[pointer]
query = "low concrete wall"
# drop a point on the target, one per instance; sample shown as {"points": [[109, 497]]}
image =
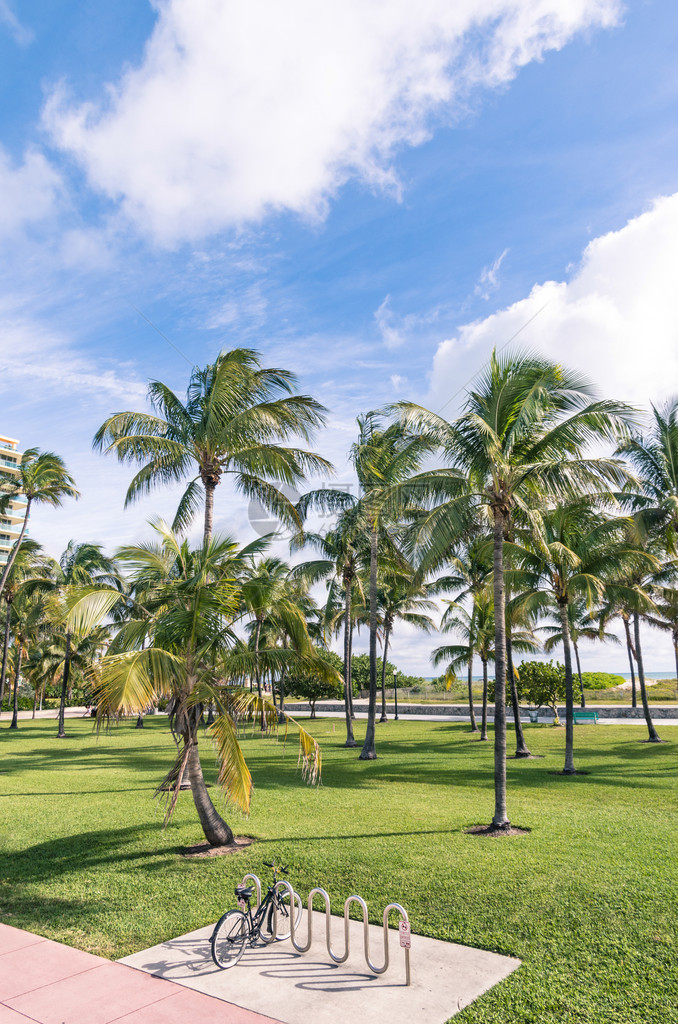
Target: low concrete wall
{"points": [[461, 710]]}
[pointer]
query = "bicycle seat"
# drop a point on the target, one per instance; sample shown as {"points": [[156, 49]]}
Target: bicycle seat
{"points": [[244, 892]]}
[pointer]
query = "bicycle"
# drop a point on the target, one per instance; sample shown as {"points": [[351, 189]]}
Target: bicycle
{"points": [[236, 927]]}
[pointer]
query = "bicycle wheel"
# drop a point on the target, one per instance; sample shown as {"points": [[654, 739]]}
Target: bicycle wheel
{"points": [[284, 923], [229, 939]]}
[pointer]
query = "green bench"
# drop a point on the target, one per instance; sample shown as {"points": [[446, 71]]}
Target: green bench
{"points": [[586, 716]]}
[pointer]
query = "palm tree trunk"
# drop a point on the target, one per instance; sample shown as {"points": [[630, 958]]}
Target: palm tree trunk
{"points": [[283, 677], [653, 735], [209, 511], [581, 678], [14, 724], [675, 655], [35, 701], [500, 819], [215, 829], [471, 641], [350, 669], [61, 735], [483, 720], [369, 753], [348, 703], [569, 768], [15, 549], [387, 631], [522, 749], [5, 651], [631, 654]]}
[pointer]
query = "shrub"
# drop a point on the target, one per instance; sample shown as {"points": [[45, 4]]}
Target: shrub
{"points": [[601, 680], [542, 683]]}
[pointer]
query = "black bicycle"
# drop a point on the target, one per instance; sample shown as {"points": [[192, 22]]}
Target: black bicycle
{"points": [[238, 927]]}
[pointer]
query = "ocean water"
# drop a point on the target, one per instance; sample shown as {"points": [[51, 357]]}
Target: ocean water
{"points": [[649, 674]]}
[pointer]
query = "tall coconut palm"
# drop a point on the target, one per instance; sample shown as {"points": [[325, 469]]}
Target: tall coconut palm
{"points": [[574, 551], [523, 435], [654, 455], [184, 648], [42, 479], [234, 422]]}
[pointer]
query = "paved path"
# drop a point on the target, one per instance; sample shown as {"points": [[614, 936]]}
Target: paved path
{"points": [[309, 989], [45, 982]]}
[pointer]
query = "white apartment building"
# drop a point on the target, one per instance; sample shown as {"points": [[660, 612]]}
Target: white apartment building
{"points": [[11, 521]]}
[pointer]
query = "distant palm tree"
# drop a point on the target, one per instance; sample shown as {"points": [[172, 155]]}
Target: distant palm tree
{"points": [[28, 570], [80, 566], [236, 416], [345, 555], [574, 551], [476, 630], [470, 569], [521, 437], [42, 480], [400, 598], [584, 625]]}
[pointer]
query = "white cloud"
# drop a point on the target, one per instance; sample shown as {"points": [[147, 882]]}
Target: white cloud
{"points": [[28, 192], [21, 35], [616, 318], [488, 281], [41, 362], [247, 106]]}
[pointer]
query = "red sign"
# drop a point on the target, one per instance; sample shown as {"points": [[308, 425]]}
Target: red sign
{"points": [[405, 934]]}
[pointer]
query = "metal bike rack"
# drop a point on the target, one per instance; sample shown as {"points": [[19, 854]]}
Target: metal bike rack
{"points": [[336, 957]]}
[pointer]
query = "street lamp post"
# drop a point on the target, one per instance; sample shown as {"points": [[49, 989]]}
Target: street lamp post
{"points": [[395, 691]]}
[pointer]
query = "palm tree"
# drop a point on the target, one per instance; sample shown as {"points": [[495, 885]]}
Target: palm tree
{"points": [[384, 459], [28, 569], [401, 598], [27, 620], [584, 625], [574, 551], [42, 479], [471, 569], [654, 455], [476, 629], [234, 421], [345, 557], [80, 566], [522, 436], [183, 646]]}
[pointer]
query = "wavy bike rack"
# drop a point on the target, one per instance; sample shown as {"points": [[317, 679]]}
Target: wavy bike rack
{"points": [[336, 957]]}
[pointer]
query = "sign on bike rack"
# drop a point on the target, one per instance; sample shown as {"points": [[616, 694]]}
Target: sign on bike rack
{"points": [[295, 920]]}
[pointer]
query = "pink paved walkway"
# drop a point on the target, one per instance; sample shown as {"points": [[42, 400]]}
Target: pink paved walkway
{"points": [[48, 983]]}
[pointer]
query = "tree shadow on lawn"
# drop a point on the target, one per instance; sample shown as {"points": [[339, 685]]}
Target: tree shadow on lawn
{"points": [[40, 914], [81, 852]]}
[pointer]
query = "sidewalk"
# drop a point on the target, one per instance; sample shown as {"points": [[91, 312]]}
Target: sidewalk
{"points": [[45, 982]]}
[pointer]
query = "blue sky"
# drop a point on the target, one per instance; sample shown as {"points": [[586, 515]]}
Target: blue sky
{"points": [[372, 195]]}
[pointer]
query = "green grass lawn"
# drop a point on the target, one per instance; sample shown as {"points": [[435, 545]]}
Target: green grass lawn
{"points": [[588, 899]]}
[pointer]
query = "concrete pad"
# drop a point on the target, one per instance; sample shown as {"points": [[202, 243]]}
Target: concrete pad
{"points": [[295, 988]]}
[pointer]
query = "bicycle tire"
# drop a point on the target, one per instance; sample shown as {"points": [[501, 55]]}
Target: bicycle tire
{"points": [[267, 925], [229, 939]]}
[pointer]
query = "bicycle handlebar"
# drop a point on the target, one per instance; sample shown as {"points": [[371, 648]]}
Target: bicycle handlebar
{"points": [[284, 870]]}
